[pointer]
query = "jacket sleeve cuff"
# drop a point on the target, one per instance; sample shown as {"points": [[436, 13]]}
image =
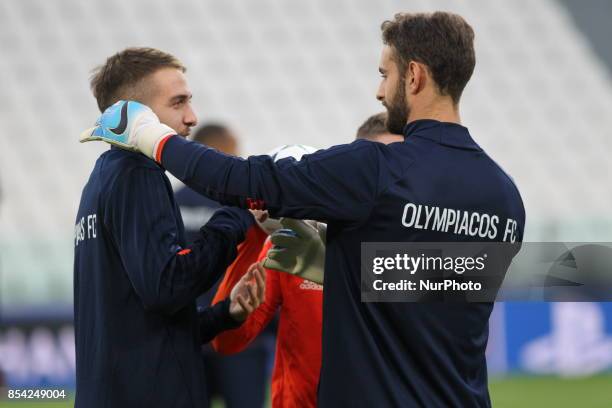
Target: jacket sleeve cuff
{"points": [[215, 319]]}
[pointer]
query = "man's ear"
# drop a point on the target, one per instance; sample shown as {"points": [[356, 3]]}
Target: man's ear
{"points": [[416, 77]]}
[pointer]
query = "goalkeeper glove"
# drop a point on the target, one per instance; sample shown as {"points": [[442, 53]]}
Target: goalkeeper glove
{"points": [[130, 125], [299, 249]]}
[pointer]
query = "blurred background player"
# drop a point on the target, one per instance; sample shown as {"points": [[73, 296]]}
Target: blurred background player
{"points": [[239, 380], [196, 209], [298, 301], [375, 130]]}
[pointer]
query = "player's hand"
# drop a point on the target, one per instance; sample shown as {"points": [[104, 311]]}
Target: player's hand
{"points": [[299, 249], [248, 293], [129, 125], [259, 215]]}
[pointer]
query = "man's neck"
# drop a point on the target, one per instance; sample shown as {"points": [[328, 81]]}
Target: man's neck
{"points": [[442, 110]]}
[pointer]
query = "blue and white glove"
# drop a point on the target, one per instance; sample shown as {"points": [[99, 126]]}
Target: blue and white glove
{"points": [[130, 125], [299, 249]]}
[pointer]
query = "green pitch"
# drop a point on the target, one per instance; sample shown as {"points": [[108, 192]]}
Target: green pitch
{"points": [[510, 392], [551, 392]]}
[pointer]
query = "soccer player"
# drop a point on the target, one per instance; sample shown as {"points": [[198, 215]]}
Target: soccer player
{"points": [[138, 333], [298, 301], [239, 380], [379, 353], [375, 129]]}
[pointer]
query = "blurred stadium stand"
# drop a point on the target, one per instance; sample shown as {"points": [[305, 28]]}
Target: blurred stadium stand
{"points": [[289, 72], [540, 102]]}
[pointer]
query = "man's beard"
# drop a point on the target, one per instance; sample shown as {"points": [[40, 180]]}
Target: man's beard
{"points": [[398, 110]]}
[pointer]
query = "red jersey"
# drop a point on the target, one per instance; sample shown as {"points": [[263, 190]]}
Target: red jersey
{"points": [[298, 344]]}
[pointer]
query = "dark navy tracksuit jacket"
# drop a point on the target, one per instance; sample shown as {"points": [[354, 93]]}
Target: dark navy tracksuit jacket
{"points": [[137, 330], [196, 210], [380, 354]]}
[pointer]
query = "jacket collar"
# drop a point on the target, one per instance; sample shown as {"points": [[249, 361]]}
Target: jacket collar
{"points": [[444, 133]]}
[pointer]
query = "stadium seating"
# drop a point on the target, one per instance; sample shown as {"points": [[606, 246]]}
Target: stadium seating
{"points": [[288, 72]]}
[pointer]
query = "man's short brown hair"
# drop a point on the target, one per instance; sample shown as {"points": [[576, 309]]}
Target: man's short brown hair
{"points": [[442, 41], [119, 77], [375, 125]]}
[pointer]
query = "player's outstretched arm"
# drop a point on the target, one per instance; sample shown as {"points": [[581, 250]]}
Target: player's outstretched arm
{"points": [[299, 249], [340, 183]]}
